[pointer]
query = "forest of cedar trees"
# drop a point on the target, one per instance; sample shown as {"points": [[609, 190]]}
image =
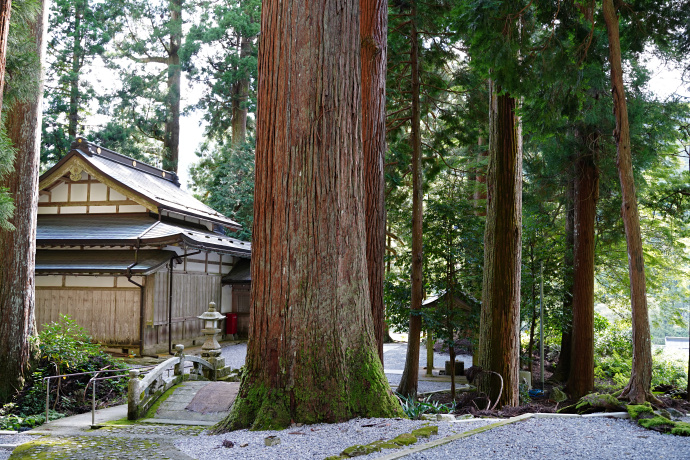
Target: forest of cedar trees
{"points": [[529, 158]]}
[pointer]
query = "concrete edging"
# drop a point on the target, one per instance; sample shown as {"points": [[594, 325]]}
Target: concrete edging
{"points": [[455, 437], [519, 418]]}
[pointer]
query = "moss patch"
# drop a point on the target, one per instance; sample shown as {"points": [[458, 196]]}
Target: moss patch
{"points": [[151, 412], [359, 450], [597, 402], [657, 423], [681, 429], [405, 439], [637, 410], [425, 432]]}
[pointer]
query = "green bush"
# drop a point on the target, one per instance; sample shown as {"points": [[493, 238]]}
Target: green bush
{"points": [[667, 370], [67, 348]]}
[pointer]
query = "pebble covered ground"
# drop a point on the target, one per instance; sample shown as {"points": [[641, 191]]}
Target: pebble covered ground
{"points": [[314, 441], [590, 438]]}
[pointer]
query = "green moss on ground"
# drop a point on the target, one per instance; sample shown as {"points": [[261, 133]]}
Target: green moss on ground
{"points": [[596, 402], [151, 412], [658, 422], [425, 432], [405, 439], [637, 410], [681, 429]]}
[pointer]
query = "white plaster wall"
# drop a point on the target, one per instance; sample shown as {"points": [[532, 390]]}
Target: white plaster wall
{"points": [[90, 281], [99, 192], [226, 299], [78, 192], [47, 210], [73, 210], [132, 208], [102, 209], [116, 196], [48, 280], [59, 193]]}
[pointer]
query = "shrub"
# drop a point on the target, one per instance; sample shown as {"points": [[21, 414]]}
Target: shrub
{"points": [[65, 348]]}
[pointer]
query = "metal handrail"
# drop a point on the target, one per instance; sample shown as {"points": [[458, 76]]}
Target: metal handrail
{"points": [[47, 381]]}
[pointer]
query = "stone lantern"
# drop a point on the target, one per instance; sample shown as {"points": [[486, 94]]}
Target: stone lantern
{"points": [[210, 350]]}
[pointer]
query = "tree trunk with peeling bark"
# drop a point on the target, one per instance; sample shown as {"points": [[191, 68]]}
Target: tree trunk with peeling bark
{"points": [[312, 355], [18, 246], [5, 13], [499, 344], [581, 377], [638, 389], [373, 30], [562, 372], [408, 382]]}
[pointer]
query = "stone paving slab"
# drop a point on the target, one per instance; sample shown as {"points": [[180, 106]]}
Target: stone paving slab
{"points": [[194, 401]]}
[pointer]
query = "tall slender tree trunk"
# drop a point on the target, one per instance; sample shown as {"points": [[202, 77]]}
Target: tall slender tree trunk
{"points": [[240, 97], [5, 13], [638, 389], [533, 322], [499, 344], [581, 379], [77, 56], [172, 124], [373, 30], [408, 383], [479, 195], [562, 372], [311, 356], [18, 247]]}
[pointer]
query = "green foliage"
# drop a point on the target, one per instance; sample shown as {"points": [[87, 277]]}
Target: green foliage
{"points": [[12, 422], [224, 179], [414, 408], [668, 370], [65, 348]]}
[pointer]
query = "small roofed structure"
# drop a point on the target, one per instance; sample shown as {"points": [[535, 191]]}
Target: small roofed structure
{"points": [[462, 302], [127, 253], [240, 279]]}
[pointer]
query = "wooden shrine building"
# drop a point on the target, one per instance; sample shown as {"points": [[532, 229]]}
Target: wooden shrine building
{"points": [[129, 255]]}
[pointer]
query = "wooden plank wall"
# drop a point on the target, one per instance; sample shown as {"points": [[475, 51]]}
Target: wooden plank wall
{"points": [[192, 293], [110, 315]]}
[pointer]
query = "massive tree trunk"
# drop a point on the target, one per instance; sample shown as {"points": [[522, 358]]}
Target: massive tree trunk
{"points": [[5, 12], [408, 382], [312, 355], [373, 30], [18, 247], [638, 389], [172, 124], [499, 344], [581, 378], [563, 367]]}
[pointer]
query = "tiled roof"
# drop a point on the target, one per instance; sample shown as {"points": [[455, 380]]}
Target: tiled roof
{"points": [[240, 273], [158, 186], [99, 261], [130, 230]]}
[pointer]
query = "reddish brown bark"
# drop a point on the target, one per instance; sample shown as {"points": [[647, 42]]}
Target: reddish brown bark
{"points": [[5, 13], [499, 344], [562, 372], [311, 355], [408, 382], [638, 389], [373, 29], [581, 378], [18, 247], [172, 125]]}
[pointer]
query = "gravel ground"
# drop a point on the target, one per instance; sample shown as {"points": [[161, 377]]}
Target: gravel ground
{"points": [[565, 438], [12, 439], [312, 441]]}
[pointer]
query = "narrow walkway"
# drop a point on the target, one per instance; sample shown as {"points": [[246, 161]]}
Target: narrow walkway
{"points": [[197, 403]]}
